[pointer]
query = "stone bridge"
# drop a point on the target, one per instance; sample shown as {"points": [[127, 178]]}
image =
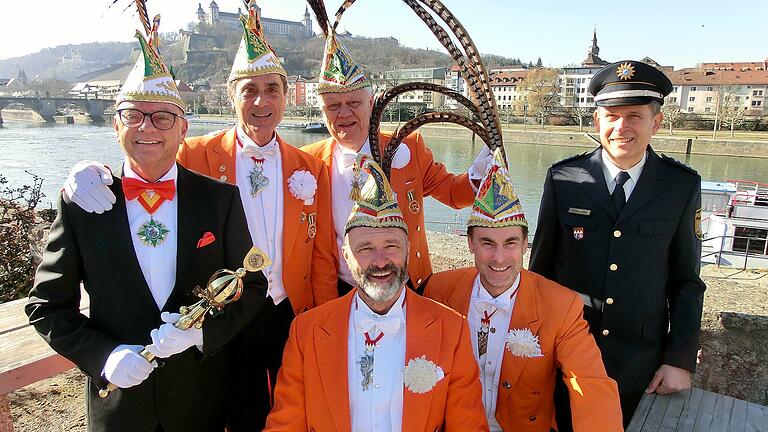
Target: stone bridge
{"points": [[48, 107]]}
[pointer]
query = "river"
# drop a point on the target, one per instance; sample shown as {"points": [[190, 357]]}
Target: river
{"points": [[50, 150]]}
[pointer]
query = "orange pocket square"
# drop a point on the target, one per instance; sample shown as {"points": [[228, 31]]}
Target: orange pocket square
{"points": [[207, 239]]}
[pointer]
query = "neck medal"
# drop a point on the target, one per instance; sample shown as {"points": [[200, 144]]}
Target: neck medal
{"points": [[258, 180], [152, 233], [366, 360], [482, 333]]}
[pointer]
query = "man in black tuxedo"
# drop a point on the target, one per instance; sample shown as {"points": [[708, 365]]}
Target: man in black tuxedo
{"points": [[170, 230], [621, 226]]}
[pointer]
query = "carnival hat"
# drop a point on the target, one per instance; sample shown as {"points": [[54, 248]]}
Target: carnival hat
{"points": [[629, 82], [375, 203], [496, 204], [150, 79], [340, 72], [254, 57]]}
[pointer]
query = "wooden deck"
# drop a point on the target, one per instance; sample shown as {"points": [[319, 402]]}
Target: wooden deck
{"points": [[698, 410]]}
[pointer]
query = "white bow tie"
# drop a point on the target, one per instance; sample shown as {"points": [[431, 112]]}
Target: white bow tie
{"points": [[266, 152], [401, 159], [365, 322], [489, 305]]}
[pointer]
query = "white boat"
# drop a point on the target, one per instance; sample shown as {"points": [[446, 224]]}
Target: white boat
{"points": [[735, 223]]}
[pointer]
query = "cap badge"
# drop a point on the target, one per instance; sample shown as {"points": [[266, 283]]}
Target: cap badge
{"points": [[625, 71], [578, 233]]}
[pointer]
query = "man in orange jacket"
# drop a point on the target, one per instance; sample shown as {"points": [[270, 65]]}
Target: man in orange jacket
{"points": [[523, 326], [346, 102], [381, 357], [286, 196]]}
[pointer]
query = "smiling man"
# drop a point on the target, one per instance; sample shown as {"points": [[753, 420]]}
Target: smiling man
{"points": [[523, 326], [622, 226], [381, 358], [170, 230], [347, 102]]}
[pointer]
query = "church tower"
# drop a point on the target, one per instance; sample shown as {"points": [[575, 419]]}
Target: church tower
{"points": [[307, 21], [214, 13], [200, 13], [593, 59]]}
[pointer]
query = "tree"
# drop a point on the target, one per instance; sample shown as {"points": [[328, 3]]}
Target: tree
{"points": [[539, 64], [541, 87], [415, 110], [672, 115], [579, 114], [217, 98], [390, 112], [731, 114]]}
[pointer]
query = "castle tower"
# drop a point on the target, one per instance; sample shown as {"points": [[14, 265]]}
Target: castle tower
{"points": [[214, 13], [307, 21], [200, 13]]}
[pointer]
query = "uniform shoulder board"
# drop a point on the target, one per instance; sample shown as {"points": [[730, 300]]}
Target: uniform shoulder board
{"points": [[568, 159], [678, 164]]}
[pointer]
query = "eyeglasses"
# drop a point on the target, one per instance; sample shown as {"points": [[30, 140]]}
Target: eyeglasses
{"points": [[162, 120]]}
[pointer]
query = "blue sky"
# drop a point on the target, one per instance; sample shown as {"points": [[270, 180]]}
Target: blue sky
{"points": [[679, 33]]}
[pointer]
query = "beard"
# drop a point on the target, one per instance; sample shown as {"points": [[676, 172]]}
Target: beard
{"points": [[380, 291]]}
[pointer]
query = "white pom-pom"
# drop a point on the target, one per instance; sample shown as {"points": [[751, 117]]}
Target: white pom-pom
{"points": [[421, 375]]}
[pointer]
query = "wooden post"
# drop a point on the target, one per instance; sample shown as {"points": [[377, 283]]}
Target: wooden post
{"points": [[6, 422], [688, 146]]}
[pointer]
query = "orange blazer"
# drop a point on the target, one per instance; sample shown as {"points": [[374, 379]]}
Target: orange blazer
{"points": [[421, 177], [312, 392], [309, 263], [526, 385]]}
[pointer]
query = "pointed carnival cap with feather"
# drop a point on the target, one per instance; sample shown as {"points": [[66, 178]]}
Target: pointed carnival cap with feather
{"points": [[496, 204], [254, 57], [375, 204], [150, 79]]}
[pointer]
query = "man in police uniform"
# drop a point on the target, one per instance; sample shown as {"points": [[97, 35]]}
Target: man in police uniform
{"points": [[621, 226]]}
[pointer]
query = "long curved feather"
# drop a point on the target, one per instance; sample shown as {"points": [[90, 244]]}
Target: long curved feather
{"points": [[141, 8], [318, 7], [344, 6]]}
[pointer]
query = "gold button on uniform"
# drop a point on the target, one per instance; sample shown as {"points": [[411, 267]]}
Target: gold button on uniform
{"points": [[614, 267], [223, 178], [418, 282], [617, 233], [605, 332], [418, 228], [222, 168], [609, 300], [418, 254]]}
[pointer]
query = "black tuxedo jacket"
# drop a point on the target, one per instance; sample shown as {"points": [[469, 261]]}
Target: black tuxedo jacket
{"points": [[638, 271], [188, 392]]}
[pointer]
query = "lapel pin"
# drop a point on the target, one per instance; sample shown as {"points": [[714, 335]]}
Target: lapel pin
{"points": [[506, 385], [302, 217], [578, 233]]}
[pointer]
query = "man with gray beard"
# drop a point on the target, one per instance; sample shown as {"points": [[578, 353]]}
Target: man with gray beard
{"points": [[381, 357]]}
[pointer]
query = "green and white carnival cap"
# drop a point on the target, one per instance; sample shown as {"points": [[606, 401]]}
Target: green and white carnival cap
{"points": [[150, 80], [254, 57], [375, 203], [340, 73]]}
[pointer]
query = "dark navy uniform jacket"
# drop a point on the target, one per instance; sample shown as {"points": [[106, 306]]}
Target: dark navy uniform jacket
{"points": [[637, 271]]}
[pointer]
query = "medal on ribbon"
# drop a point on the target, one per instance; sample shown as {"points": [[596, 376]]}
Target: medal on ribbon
{"points": [[413, 205], [366, 360], [312, 228], [482, 333], [152, 233], [258, 180]]}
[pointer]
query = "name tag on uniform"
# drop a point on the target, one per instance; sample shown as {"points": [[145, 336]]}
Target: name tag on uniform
{"points": [[580, 211]]}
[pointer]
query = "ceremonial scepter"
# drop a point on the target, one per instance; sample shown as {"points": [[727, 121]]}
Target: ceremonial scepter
{"points": [[224, 287]]}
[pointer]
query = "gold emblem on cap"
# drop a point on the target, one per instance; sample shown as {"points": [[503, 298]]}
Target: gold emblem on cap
{"points": [[256, 260], [625, 71]]}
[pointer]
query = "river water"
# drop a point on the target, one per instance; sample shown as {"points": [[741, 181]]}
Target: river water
{"points": [[49, 151]]}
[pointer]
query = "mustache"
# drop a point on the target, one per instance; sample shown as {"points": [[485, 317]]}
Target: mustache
{"points": [[389, 268]]}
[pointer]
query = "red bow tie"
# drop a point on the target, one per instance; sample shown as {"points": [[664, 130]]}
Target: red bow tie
{"points": [[132, 188]]}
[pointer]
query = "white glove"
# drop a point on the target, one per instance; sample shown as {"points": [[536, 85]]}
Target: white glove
{"points": [[87, 186], [168, 340], [480, 166], [125, 367]]}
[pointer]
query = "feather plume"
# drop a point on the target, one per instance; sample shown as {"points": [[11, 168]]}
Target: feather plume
{"points": [[321, 15], [141, 8], [154, 39], [344, 6]]}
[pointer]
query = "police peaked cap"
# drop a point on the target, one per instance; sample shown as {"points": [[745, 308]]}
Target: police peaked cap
{"points": [[629, 82]]}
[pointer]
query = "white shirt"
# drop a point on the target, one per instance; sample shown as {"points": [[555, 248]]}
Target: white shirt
{"points": [[341, 185], [490, 363], [264, 212], [610, 171], [380, 408], [158, 263]]}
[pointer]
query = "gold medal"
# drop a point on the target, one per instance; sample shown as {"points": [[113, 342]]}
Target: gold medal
{"points": [[413, 205], [256, 260], [312, 229]]}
